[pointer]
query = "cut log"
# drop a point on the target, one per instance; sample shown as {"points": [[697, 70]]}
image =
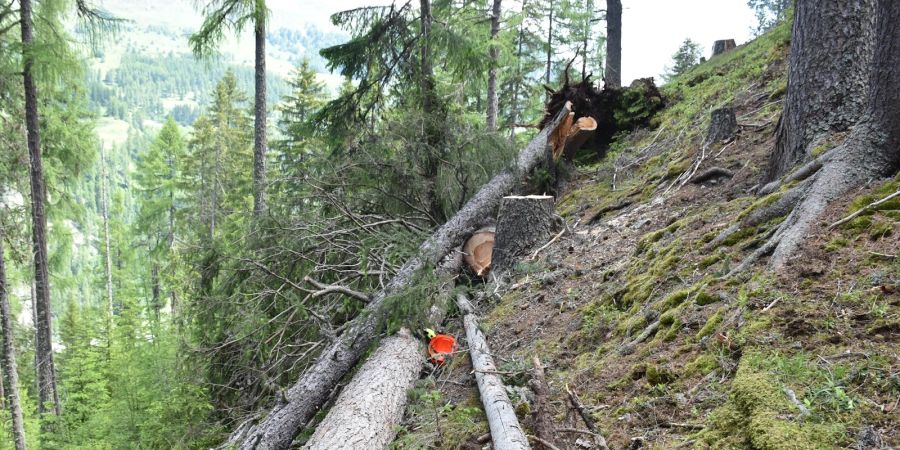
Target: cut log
{"points": [[579, 133], [723, 45], [313, 388], [722, 125], [368, 411], [478, 251], [523, 221], [506, 433], [366, 414]]}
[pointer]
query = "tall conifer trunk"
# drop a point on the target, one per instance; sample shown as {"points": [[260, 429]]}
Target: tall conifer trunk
{"points": [[259, 126], [9, 360], [494, 54], [46, 374], [613, 75]]}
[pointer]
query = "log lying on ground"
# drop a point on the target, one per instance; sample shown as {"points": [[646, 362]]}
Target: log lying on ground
{"points": [[506, 433], [522, 222], [366, 414], [368, 410], [313, 388]]}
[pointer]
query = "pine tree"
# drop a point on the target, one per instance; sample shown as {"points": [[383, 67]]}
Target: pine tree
{"points": [[687, 56], [234, 15]]}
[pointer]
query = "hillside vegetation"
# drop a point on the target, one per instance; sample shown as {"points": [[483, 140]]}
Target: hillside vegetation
{"points": [[800, 359]]}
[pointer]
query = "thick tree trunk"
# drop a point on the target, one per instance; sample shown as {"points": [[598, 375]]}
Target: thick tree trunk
{"points": [[312, 389], [259, 109], [613, 75], [722, 46], [46, 373], [871, 151], [522, 222], [506, 433], [494, 55], [831, 54], [430, 159], [367, 412], [369, 409], [9, 360]]}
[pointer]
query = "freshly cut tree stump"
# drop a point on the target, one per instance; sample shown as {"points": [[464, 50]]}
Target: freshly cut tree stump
{"points": [[523, 221], [722, 125], [506, 433], [366, 414], [722, 46], [478, 251]]}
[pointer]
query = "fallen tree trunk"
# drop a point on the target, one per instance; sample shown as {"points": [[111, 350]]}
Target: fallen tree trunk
{"points": [[506, 433], [522, 222], [368, 410], [313, 388], [578, 135], [366, 414]]}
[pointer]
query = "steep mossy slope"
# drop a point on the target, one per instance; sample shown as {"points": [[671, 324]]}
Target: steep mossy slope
{"points": [[633, 312]]}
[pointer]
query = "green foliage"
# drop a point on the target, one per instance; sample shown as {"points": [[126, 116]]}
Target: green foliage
{"points": [[769, 13], [687, 56]]}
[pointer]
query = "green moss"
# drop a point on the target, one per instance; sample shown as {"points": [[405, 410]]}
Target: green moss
{"points": [[659, 375], [739, 236], [705, 298], [836, 244], [753, 417], [701, 365], [676, 298], [710, 325], [676, 168], [881, 229], [712, 259]]}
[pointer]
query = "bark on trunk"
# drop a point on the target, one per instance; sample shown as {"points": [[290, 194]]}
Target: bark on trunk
{"points": [[549, 44], [9, 360], [514, 104], [521, 223], [369, 409], [871, 150], [431, 158], [494, 54], [367, 412], [506, 433], [46, 373], [613, 75], [312, 389], [259, 125], [722, 125], [831, 55], [722, 46]]}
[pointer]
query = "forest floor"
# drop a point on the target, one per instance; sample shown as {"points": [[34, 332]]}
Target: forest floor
{"points": [[728, 354]]}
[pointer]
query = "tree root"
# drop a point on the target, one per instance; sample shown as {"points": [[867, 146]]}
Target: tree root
{"points": [[842, 169], [805, 171], [779, 208]]}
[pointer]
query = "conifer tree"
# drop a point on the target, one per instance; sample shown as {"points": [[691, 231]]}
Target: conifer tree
{"points": [[10, 368], [234, 15]]}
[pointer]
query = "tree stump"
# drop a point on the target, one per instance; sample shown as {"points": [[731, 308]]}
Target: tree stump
{"points": [[722, 126], [723, 45], [523, 221]]}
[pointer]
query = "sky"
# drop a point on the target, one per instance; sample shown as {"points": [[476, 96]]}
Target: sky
{"points": [[652, 30]]}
